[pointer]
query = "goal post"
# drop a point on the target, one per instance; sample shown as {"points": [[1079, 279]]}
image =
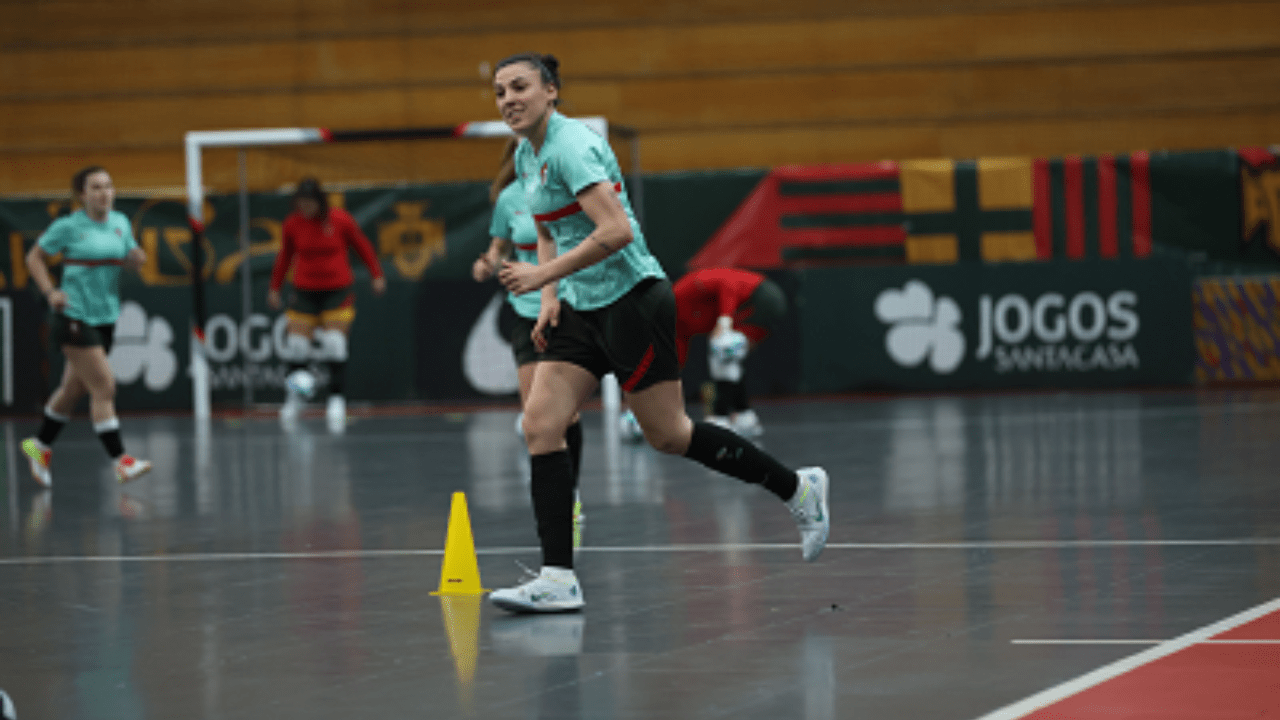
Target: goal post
{"points": [[196, 142]]}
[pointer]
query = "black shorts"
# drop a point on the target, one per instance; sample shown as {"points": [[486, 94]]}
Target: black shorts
{"points": [[78, 333], [766, 305], [316, 307], [522, 346], [634, 337]]}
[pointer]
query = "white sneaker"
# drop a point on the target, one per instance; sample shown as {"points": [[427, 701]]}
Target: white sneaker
{"points": [[721, 420], [302, 383], [130, 468], [7, 711], [809, 507], [629, 428], [39, 456], [747, 424], [336, 411], [554, 590]]}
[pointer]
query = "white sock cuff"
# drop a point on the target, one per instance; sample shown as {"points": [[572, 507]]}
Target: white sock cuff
{"points": [[49, 413], [298, 346], [335, 344], [106, 425]]}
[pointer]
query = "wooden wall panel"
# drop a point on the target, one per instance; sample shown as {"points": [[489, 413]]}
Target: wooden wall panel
{"points": [[45, 22], [729, 48], [773, 82]]}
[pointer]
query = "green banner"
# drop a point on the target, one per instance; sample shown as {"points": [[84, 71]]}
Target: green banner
{"points": [[1056, 324]]}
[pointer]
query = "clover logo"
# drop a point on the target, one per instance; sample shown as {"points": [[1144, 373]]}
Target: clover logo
{"points": [[923, 327], [143, 349]]}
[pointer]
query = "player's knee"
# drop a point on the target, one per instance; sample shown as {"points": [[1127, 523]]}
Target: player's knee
{"points": [[671, 438], [542, 430], [334, 343]]}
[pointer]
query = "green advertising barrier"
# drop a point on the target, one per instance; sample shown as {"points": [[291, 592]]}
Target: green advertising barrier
{"points": [[990, 326]]}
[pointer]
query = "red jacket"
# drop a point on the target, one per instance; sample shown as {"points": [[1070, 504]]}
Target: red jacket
{"points": [[702, 296], [317, 249]]}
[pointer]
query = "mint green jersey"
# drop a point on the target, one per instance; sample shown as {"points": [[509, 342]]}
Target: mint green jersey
{"points": [[92, 253], [512, 221], [573, 158]]}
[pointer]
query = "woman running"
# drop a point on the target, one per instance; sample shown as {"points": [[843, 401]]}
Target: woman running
{"points": [[316, 239], [95, 242], [514, 234], [616, 313]]}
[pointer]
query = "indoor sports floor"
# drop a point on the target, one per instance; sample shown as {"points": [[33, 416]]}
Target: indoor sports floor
{"points": [[1046, 555]]}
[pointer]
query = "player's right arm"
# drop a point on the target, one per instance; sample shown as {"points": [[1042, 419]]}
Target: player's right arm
{"points": [[283, 259]]}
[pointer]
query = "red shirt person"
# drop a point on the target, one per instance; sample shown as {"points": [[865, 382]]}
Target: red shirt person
{"points": [[315, 244], [723, 302]]}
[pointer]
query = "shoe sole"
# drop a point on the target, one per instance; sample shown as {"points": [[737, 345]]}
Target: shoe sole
{"points": [[519, 608]]}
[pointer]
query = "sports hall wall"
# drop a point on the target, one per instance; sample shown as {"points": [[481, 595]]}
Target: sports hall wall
{"points": [[1145, 269], [709, 84]]}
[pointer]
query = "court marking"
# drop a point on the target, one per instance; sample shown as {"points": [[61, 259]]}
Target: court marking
{"points": [[1048, 697], [1068, 641], [721, 547]]}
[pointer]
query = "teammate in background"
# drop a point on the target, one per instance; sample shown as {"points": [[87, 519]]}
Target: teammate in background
{"points": [[738, 307], [95, 242], [514, 234], [316, 239], [612, 310]]}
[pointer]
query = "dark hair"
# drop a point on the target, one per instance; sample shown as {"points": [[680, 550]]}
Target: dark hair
{"points": [[506, 171], [548, 67], [80, 179], [309, 187]]}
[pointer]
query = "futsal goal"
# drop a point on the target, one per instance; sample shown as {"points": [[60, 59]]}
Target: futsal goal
{"points": [[197, 142]]}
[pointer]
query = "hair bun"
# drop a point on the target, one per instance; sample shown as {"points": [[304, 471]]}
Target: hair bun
{"points": [[552, 65]]}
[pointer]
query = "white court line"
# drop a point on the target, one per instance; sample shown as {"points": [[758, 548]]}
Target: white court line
{"points": [[1048, 697], [1084, 642], [712, 547]]}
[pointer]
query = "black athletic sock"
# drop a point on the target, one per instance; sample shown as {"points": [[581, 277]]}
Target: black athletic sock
{"points": [[573, 438], [112, 442], [50, 426], [293, 367], [737, 392], [723, 403], [337, 376], [552, 491], [723, 450]]}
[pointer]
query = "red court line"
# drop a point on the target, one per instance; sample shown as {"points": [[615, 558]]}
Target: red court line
{"points": [[1199, 683], [1182, 679], [1266, 627]]}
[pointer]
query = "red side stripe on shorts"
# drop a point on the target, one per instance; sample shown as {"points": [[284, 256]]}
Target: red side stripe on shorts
{"points": [[641, 369], [528, 247], [570, 209]]}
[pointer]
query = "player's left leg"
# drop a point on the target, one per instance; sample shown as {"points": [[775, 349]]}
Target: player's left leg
{"points": [[335, 330]]}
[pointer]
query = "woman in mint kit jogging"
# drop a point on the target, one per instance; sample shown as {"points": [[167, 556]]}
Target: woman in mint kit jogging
{"points": [[95, 242], [606, 307]]}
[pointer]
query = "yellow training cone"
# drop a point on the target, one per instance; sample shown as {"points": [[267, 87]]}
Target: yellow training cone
{"points": [[460, 575]]}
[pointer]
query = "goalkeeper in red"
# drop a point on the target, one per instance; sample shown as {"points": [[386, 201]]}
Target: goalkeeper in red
{"points": [[316, 240], [737, 308]]}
